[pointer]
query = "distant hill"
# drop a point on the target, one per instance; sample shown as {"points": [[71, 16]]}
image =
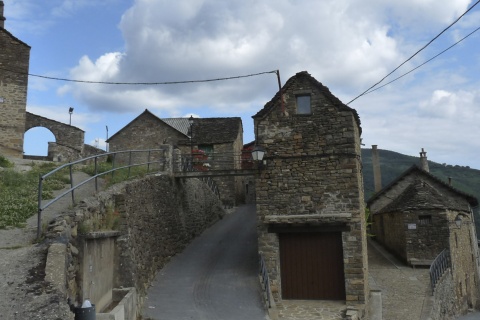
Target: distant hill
{"points": [[393, 164]]}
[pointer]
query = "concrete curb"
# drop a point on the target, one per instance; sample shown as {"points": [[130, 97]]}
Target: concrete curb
{"points": [[55, 268]]}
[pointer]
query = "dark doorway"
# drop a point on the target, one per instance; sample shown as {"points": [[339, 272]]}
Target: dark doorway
{"points": [[311, 266]]}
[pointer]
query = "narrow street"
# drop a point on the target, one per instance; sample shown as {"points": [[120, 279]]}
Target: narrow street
{"points": [[215, 277]]}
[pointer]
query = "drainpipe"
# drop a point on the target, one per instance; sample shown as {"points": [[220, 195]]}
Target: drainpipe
{"points": [[423, 161], [377, 175]]}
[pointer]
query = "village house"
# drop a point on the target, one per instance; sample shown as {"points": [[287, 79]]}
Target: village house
{"points": [[309, 194], [219, 140], [418, 216]]}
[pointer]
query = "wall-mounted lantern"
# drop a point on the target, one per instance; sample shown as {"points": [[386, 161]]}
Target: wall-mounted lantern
{"points": [[458, 221], [258, 153]]}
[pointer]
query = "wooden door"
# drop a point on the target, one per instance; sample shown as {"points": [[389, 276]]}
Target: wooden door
{"points": [[311, 266]]}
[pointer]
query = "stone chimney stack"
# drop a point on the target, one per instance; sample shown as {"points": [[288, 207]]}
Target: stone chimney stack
{"points": [[423, 161], [2, 18], [377, 175]]}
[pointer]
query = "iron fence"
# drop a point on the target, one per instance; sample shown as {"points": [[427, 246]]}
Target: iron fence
{"points": [[265, 281], [201, 161], [153, 160], [438, 267]]}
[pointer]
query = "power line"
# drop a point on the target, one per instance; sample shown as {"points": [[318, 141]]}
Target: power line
{"points": [[403, 75], [142, 83], [421, 49]]}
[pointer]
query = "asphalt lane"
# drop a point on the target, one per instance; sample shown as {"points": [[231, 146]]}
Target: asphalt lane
{"points": [[215, 277]]}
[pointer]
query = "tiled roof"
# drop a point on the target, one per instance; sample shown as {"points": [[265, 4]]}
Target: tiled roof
{"points": [[216, 130], [180, 124], [324, 90], [415, 169], [421, 195]]}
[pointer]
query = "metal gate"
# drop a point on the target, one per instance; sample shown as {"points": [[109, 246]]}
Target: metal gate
{"points": [[311, 266]]}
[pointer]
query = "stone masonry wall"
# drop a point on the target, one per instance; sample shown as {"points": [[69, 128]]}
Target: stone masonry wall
{"points": [[156, 217], [313, 169], [15, 56]]}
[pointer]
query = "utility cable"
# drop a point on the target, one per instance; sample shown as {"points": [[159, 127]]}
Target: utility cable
{"points": [[142, 83], [403, 75], [420, 50]]}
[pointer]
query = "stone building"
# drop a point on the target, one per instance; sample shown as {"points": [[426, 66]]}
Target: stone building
{"points": [[220, 138], [411, 216], [417, 216], [309, 194], [14, 65]]}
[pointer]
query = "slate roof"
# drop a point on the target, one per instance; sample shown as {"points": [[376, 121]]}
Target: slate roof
{"points": [[205, 130], [216, 130], [269, 106], [408, 198], [180, 124], [422, 196]]}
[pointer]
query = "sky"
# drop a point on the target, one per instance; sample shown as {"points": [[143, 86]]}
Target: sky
{"points": [[346, 45]]}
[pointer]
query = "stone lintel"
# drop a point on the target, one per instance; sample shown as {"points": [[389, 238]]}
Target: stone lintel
{"points": [[307, 218]]}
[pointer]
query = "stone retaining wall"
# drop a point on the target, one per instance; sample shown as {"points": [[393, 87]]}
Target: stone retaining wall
{"points": [[156, 216]]}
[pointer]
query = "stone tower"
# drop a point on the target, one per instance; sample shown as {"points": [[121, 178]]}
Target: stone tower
{"points": [[14, 65]]}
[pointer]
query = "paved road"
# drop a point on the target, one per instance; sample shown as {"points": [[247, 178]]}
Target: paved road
{"points": [[470, 316], [215, 277]]}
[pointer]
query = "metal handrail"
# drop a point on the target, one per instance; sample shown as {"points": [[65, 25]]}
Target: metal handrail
{"points": [[265, 280], [438, 267], [187, 166], [95, 159]]}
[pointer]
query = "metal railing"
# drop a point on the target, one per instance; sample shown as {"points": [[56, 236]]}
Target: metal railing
{"points": [[217, 161], [439, 265], [153, 159], [265, 281], [187, 166]]}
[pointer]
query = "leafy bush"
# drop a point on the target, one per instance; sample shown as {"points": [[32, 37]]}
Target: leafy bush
{"points": [[4, 163]]}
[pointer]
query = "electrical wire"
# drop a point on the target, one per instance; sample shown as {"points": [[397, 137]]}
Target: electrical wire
{"points": [[403, 75], [142, 83], [420, 50]]}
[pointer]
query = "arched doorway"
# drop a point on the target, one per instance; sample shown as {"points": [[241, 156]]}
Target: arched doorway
{"points": [[36, 142]]}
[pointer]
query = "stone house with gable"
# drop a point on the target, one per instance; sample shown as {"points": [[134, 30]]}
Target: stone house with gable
{"points": [[14, 64], [309, 195], [220, 138], [417, 216]]}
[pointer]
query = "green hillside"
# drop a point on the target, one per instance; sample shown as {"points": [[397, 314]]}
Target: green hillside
{"points": [[393, 164]]}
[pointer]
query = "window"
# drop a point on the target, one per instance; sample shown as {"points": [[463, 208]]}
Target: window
{"points": [[2, 99], [424, 220], [208, 149], [303, 104]]}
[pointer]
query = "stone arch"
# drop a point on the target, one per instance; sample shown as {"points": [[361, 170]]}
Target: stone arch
{"points": [[69, 139], [37, 138]]}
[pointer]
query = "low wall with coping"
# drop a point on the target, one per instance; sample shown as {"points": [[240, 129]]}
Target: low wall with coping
{"points": [[154, 218]]}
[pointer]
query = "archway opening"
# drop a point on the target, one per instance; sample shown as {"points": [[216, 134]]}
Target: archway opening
{"points": [[35, 141]]}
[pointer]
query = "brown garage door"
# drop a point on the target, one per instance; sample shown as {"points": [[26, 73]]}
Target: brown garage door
{"points": [[312, 266]]}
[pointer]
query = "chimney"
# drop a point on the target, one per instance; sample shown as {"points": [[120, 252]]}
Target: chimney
{"points": [[377, 175], [423, 161], [2, 18]]}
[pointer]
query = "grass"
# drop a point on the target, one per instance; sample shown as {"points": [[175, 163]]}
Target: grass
{"points": [[19, 193], [19, 190]]}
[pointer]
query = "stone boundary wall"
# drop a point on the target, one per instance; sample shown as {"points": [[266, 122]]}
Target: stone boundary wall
{"points": [[445, 305], [156, 216]]}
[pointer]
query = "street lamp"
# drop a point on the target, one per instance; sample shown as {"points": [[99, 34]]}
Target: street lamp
{"points": [[106, 143], [258, 153], [70, 111], [190, 122]]}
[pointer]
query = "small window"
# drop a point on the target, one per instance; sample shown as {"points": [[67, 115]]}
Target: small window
{"points": [[208, 149], [424, 220], [303, 104], [2, 99]]}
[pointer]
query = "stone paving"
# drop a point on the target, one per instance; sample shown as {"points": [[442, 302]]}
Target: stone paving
{"points": [[405, 290], [314, 310]]}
